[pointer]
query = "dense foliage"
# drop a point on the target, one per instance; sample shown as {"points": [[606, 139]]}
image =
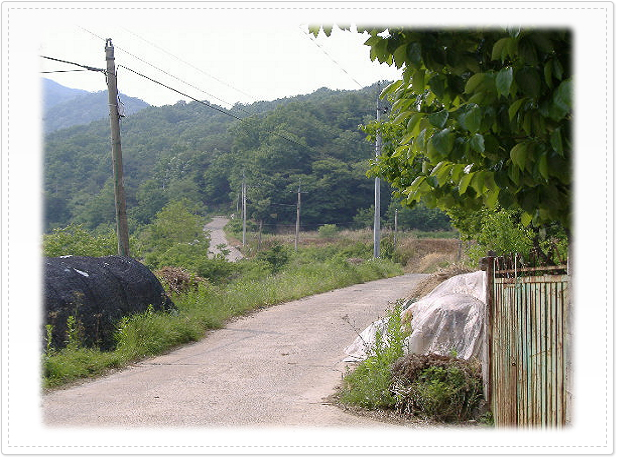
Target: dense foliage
{"points": [[190, 151], [65, 107], [480, 118]]}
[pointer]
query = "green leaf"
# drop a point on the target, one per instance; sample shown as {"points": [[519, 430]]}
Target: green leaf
{"points": [[542, 165], [529, 81], [498, 51], [456, 171], [438, 119], [556, 141], [477, 142], [478, 182], [436, 84], [413, 126], [443, 141], [414, 54], [465, 182], [442, 172], [400, 55], [547, 72], [526, 219], [473, 82], [519, 155], [515, 107], [418, 81], [562, 99], [472, 118], [504, 80], [491, 198]]}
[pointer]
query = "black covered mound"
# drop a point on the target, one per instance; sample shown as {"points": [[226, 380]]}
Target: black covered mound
{"points": [[98, 292]]}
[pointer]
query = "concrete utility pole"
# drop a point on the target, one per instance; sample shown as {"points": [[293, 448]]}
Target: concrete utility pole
{"points": [[122, 227], [395, 236], [297, 219], [244, 210], [376, 215]]}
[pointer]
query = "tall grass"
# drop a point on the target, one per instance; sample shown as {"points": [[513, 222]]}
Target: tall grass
{"points": [[207, 307], [369, 384]]}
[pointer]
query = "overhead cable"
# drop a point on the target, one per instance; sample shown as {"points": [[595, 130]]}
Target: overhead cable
{"points": [[163, 71], [331, 58], [87, 67], [181, 93], [191, 65]]}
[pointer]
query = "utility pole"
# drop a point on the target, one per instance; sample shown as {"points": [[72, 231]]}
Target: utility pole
{"points": [[395, 237], [376, 215], [297, 219], [122, 228], [244, 210]]}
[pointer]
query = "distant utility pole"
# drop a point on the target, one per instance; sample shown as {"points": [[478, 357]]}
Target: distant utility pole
{"points": [[376, 215], [395, 236], [297, 219], [244, 210], [122, 228]]}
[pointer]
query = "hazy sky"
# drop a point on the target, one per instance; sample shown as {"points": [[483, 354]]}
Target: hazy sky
{"points": [[220, 56]]}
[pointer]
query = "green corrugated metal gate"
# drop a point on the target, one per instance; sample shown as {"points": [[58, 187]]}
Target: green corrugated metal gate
{"points": [[527, 343]]}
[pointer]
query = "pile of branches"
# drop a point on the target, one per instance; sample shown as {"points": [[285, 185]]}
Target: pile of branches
{"points": [[438, 387], [178, 280]]}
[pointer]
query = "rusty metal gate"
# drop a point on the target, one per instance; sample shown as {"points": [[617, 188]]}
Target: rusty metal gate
{"points": [[527, 344]]}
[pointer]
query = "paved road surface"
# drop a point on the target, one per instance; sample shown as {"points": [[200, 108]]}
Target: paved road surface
{"points": [[273, 368], [217, 237]]}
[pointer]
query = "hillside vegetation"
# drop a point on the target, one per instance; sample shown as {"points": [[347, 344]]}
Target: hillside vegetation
{"points": [[193, 152]]}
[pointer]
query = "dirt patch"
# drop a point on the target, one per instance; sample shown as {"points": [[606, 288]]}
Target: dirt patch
{"points": [[426, 285], [177, 280], [426, 255]]}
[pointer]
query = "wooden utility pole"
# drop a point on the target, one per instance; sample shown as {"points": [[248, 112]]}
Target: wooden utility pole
{"points": [[122, 227], [376, 215]]}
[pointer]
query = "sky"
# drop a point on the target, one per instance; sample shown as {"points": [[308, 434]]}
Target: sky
{"points": [[211, 58]]}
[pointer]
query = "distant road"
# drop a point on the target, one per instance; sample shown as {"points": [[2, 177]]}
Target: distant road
{"points": [[275, 367], [217, 237]]}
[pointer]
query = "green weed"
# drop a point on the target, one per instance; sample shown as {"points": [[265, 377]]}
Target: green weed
{"points": [[369, 384], [207, 307]]}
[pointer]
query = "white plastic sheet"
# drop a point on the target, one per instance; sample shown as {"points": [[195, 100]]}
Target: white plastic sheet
{"points": [[447, 321]]}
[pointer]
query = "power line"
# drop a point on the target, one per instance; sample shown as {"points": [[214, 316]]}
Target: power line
{"points": [[87, 67], [65, 71], [181, 93], [189, 84], [331, 58], [208, 105], [164, 71], [191, 65]]}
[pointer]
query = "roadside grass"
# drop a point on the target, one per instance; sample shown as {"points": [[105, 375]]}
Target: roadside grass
{"points": [[429, 388], [204, 308], [369, 384], [322, 263]]}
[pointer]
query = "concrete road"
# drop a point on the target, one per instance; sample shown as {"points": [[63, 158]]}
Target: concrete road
{"points": [[217, 238], [275, 367]]}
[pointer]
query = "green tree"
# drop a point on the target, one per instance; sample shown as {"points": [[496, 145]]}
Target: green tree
{"points": [[480, 118], [174, 224]]}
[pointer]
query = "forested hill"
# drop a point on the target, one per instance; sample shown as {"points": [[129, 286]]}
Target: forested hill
{"points": [[65, 107], [194, 152]]}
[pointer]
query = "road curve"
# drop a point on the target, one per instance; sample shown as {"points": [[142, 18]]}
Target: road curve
{"points": [[273, 368], [218, 239]]}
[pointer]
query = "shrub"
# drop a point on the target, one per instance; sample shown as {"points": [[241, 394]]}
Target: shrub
{"points": [[369, 385], [77, 241], [277, 257], [438, 387], [327, 231]]}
